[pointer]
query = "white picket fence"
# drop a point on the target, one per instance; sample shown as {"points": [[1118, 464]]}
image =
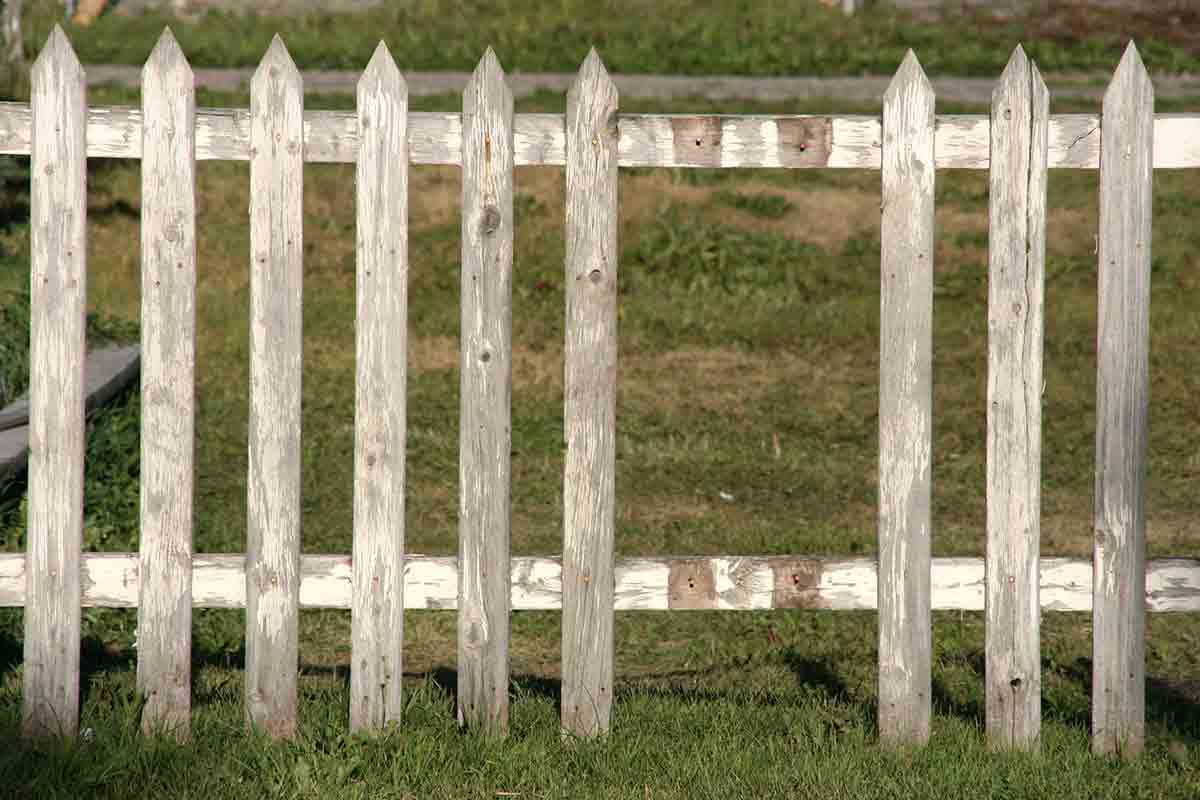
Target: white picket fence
{"points": [[272, 581]]}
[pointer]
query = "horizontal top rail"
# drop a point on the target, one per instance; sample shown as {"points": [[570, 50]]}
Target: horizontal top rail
{"points": [[645, 140]]}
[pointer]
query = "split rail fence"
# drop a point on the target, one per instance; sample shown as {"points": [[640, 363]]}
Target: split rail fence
{"points": [[1017, 143]]}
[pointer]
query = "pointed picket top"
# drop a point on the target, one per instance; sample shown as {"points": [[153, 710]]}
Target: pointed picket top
{"points": [[910, 77], [382, 72], [167, 59], [57, 54], [1131, 79], [487, 79], [1020, 82], [592, 78], [276, 64]]}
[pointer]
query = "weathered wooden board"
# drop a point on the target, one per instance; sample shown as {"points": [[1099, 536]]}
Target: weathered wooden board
{"points": [[381, 287], [485, 432], [276, 276], [661, 583], [645, 140], [168, 389], [58, 302], [1016, 291], [590, 402], [1122, 387], [906, 408], [108, 370]]}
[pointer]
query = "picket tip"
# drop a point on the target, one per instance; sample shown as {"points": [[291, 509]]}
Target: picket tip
{"points": [[276, 62], [1130, 75], [57, 52], [167, 54], [593, 75], [1020, 78], [488, 68], [381, 70], [909, 74]]}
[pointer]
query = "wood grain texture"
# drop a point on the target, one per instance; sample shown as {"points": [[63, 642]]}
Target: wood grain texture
{"points": [[485, 433], [645, 140], [734, 583], [168, 389], [1016, 291], [276, 276], [905, 408], [1122, 388], [590, 395], [377, 618], [58, 300]]}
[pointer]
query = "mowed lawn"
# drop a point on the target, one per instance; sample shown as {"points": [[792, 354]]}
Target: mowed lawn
{"points": [[749, 325]]}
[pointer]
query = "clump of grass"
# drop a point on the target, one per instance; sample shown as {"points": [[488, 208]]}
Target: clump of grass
{"points": [[767, 206]]}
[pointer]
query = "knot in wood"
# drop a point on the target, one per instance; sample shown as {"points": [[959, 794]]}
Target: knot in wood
{"points": [[491, 219]]}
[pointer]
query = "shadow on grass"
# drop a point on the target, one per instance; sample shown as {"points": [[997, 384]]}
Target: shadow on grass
{"points": [[1172, 705]]}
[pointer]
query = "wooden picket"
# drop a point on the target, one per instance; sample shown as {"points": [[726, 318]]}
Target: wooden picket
{"points": [[276, 276], [1122, 385], [1016, 278], [168, 388], [590, 399], [485, 430], [377, 620], [1018, 143], [906, 407], [58, 300]]}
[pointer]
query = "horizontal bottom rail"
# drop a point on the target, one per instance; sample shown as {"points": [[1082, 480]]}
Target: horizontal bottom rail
{"points": [[110, 580]]}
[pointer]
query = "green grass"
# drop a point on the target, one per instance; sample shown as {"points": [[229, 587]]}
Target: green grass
{"points": [[749, 337], [747, 37]]}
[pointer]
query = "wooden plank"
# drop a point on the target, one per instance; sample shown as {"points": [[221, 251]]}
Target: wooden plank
{"points": [[485, 417], [1123, 344], [590, 401], [905, 408], [108, 370], [276, 276], [1016, 291], [736, 583], [377, 619], [645, 140], [58, 303], [168, 389]]}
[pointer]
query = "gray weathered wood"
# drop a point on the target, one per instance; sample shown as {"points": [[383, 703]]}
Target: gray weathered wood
{"points": [[661, 583], [168, 388], [485, 398], [58, 301], [108, 370], [276, 275], [646, 140], [905, 407], [1123, 342], [377, 619], [590, 394], [1016, 278]]}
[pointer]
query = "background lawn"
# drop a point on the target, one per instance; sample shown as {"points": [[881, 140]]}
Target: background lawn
{"points": [[749, 307]]}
